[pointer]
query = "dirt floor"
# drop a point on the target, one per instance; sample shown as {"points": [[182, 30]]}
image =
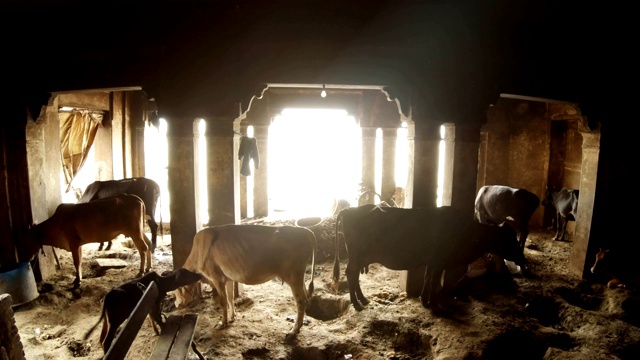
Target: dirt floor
{"points": [[551, 315]]}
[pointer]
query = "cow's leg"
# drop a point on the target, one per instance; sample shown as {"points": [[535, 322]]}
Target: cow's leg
{"points": [[219, 283], [558, 226], [300, 296], [523, 237], [434, 279], [562, 227], [231, 300], [104, 333], [425, 294], [109, 243], [110, 335], [100, 247], [153, 225], [142, 243], [149, 252], [353, 273], [76, 254]]}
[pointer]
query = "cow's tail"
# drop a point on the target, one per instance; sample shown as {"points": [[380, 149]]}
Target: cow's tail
{"points": [[313, 263], [336, 261], [102, 314]]}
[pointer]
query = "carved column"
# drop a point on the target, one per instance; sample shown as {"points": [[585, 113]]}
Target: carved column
{"points": [[579, 263], [260, 183], [389, 143], [368, 159], [181, 182]]}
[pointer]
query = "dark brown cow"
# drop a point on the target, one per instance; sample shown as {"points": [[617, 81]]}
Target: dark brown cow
{"points": [[73, 225], [565, 204], [120, 301], [251, 254], [497, 204], [146, 189], [402, 239]]}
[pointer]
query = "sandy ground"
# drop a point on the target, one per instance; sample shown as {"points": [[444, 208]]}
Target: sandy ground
{"points": [[552, 315]]}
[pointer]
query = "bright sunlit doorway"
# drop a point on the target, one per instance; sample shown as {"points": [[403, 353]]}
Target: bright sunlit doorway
{"points": [[314, 159]]}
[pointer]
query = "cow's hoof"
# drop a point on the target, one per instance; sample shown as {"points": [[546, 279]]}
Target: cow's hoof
{"points": [[358, 307], [291, 335], [426, 304], [221, 325]]}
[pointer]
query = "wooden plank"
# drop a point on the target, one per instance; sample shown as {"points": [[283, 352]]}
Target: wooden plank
{"points": [[183, 340], [111, 263], [123, 341], [165, 340]]}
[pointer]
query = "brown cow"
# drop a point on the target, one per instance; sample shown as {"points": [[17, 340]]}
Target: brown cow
{"points": [[120, 302], [73, 225], [617, 267], [251, 254]]}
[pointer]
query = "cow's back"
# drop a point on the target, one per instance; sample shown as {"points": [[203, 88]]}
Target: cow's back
{"points": [[251, 254], [498, 203], [146, 189], [398, 238]]}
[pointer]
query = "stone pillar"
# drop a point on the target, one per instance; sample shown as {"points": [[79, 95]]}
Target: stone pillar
{"points": [[181, 183], [579, 263], [136, 115], [448, 158], [260, 178], [117, 134], [425, 185], [10, 345], [368, 180], [44, 168], [389, 144], [466, 144], [222, 183]]}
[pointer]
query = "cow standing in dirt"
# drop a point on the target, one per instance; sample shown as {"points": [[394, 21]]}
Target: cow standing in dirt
{"points": [[146, 189], [74, 225], [565, 204], [497, 204], [251, 254]]}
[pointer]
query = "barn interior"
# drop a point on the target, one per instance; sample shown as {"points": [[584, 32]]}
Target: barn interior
{"points": [[522, 91]]}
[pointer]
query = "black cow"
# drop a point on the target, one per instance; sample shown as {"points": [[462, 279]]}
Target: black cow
{"points": [[402, 239], [565, 203], [146, 189], [121, 300], [496, 204]]}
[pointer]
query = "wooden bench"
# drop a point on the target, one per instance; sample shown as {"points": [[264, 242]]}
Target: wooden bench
{"points": [[175, 338]]}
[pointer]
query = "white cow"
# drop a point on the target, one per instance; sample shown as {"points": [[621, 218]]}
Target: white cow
{"points": [[251, 254]]}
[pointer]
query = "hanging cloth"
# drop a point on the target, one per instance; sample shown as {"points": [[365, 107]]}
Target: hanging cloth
{"points": [[77, 131], [248, 150]]}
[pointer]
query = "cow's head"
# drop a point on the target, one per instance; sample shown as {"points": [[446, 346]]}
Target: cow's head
{"points": [[548, 196], [188, 293], [601, 262], [32, 241], [505, 243]]}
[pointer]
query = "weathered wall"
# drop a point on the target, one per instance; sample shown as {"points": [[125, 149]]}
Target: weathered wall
{"points": [[516, 146]]}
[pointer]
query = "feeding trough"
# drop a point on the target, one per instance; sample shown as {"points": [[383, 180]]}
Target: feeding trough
{"points": [[19, 282], [309, 222]]}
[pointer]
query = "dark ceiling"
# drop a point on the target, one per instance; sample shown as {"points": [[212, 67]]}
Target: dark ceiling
{"points": [[451, 58]]}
